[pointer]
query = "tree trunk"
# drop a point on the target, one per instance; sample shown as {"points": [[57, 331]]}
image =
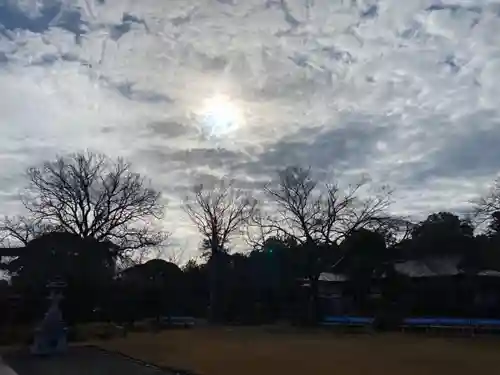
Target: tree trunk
{"points": [[314, 312], [214, 299]]}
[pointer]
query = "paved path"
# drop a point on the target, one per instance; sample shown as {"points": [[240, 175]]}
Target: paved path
{"points": [[5, 369], [78, 361]]}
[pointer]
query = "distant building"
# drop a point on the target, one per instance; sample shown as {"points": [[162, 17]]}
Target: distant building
{"points": [[435, 284]]}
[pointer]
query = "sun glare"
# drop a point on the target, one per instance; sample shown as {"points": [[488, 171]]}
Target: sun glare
{"points": [[220, 115]]}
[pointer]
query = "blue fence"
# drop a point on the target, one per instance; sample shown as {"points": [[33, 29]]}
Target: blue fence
{"points": [[416, 322]]}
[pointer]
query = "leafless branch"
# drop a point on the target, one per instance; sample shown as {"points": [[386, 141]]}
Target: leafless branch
{"points": [[174, 255], [219, 213], [314, 213], [485, 206], [92, 196], [19, 230]]}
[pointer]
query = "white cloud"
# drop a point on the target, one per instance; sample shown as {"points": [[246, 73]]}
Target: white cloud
{"points": [[403, 90]]}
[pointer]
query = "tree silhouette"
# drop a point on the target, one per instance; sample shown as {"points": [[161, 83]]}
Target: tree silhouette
{"points": [[91, 196], [85, 264], [311, 212], [218, 214], [20, 230], [485, 207], [441, 234], [366, 259], [318, 216], [494, 225], [156, 286]]}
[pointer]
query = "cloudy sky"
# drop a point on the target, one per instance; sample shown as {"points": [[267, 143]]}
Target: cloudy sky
{"points": [[189, 90]]}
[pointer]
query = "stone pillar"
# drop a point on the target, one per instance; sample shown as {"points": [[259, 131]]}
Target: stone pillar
{"points": [[50, 335]]}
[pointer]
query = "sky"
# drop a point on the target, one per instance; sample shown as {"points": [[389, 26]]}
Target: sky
{"points": [[192, 91]]}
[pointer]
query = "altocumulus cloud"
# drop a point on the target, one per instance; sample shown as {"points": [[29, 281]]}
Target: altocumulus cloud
{"points": [[403, 90]]}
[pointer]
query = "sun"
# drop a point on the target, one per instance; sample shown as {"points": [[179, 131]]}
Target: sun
{"points": [[220, 115]]}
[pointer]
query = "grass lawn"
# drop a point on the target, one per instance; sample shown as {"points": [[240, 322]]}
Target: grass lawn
{"points": [[257, 351]]}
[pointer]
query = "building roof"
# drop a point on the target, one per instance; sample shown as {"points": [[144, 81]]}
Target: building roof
{"points": [[332, 277], [445, 266], [431, 267]]}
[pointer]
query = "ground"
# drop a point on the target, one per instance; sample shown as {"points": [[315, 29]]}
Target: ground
{"points": [[79, 360], [253, 351]]}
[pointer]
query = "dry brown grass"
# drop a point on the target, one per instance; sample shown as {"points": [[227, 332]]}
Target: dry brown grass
{"points": [[252, 351]]}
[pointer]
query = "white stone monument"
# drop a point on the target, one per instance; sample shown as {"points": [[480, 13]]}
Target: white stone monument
{"points": [[50, 335]]}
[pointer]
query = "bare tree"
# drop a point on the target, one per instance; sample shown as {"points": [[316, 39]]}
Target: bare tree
{"points": [[486, 206], [18, 231], [92, 196], [318, 216], [395, 229], [168, 253], [314, 213], [175, 256], [219, 214]]}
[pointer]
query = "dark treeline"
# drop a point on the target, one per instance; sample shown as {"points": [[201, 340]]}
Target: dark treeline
{"points": [[314, 249]]}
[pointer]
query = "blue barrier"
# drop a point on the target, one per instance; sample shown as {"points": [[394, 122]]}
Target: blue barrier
{"points": [[420, 321], [458, 323], [335, 320], [423, 322], [436, 322], [360, 320], [453, 321], [486, 322]]}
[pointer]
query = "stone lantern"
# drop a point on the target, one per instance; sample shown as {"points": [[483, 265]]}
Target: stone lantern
{"points": [[51, 335]]}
